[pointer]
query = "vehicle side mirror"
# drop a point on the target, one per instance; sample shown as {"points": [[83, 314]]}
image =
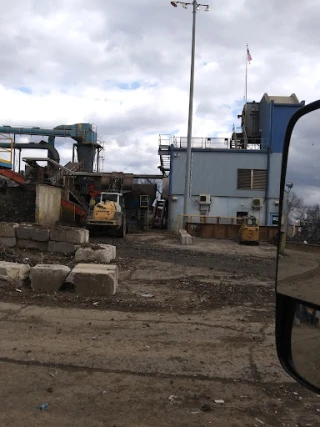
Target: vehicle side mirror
{"points": [[298, 263]]}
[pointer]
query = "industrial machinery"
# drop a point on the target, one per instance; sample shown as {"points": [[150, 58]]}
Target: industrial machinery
{"points": [[159, 214], [116, 194], [107, 211], [249, 231], [107, 207], [86, 144]]}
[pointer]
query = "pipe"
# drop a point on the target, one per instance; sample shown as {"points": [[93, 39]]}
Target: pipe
{"points": [[73, 147], [268, 164], [266, 197], [14, 153], [53, 153]]}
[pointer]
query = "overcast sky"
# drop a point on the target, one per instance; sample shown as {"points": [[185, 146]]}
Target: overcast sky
{"points": [[124, 66], [304, 158]]}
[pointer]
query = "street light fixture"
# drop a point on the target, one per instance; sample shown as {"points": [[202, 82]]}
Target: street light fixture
{"points": [[196, 7], [289, 185]]}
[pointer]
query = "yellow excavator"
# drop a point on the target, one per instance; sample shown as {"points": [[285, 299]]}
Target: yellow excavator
{"points": [[249, 231], [107, 211]]}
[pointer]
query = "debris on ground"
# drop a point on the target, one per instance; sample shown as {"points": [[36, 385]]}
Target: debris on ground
{"points": [[44, 406], [219, 401], [194, 337], [206, 408]]}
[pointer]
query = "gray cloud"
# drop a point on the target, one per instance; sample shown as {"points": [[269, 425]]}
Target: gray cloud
{"points": [[72, 55], [304, 158]]}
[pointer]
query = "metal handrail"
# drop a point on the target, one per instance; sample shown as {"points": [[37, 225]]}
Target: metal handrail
{"points": [[208, 142], [201, 142], [7, 150]]}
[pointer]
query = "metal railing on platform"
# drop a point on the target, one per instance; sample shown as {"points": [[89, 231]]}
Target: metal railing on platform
{"points": [[207, 142], [7, 160]]}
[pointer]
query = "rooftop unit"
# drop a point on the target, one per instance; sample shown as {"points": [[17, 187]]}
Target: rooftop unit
{"points": [[258, 119]]}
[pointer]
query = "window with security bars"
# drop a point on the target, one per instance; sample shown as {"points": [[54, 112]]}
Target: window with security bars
{"points": [[252, 179]]}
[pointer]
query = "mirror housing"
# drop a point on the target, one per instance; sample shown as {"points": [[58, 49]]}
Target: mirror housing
{"points": [[298, 267]]}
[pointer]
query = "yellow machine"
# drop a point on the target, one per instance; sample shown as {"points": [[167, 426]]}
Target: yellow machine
{"points": [[249, 231], [107, 211]]}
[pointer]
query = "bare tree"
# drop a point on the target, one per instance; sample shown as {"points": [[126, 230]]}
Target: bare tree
{"points": [[310, 230], [296, 208]]}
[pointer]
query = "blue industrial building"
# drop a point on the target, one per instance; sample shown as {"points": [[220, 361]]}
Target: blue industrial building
{"points": [[231, 177]]}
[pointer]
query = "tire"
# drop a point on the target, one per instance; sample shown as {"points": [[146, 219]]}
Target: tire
{"points": [[123, 229]]}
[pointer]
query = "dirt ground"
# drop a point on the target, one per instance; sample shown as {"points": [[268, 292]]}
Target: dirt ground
{"points": [[188, 326]]}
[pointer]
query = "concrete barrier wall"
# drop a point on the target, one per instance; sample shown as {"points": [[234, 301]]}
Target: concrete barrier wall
{"points": [[315, 249], [33, 236], [227, 231], [48, 204]]}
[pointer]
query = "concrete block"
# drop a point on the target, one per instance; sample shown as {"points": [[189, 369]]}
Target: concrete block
{"points": [[182, 231], [8, 229], [29, 232], [13, 272], [48, 277], [63, 247], [185, 239], [23, 232], [101, 254], [8, 242], [31, 244], [5, 281], [94, 279], [77, 236]]}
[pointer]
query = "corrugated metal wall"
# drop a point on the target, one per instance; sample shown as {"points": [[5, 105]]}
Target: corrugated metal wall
{"points": [[216, 173]]}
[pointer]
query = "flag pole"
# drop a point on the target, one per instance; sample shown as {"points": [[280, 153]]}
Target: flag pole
{"points": [[248, 58], [246, 85]]}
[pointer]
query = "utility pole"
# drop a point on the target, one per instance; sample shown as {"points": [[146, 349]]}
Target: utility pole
{"points": [[195, 8]]}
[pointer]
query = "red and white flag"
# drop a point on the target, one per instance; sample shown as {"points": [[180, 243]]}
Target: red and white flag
{"points": [[249, 55]]}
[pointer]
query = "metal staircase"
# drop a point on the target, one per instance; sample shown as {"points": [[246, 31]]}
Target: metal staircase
{"points": [[78, 198], [68, 169], [165, 142], [237, 141]]}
